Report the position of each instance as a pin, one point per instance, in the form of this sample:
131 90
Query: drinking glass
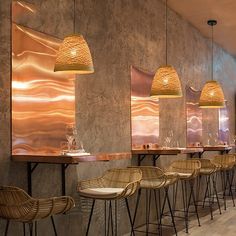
209 139
216 139
70 136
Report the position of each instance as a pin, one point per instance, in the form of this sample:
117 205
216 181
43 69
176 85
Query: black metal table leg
200 154
140 158
154 158
63 178
30 170
29 178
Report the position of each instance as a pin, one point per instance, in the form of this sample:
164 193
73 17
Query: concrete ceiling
197 12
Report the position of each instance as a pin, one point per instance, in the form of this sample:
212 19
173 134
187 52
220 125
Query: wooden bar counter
157 152
34 160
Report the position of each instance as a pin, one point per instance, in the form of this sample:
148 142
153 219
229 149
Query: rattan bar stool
153 180
187 171
115 184
225 166
16 205
208 171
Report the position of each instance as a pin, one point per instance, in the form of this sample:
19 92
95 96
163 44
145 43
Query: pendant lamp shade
212 95
74 56
166 83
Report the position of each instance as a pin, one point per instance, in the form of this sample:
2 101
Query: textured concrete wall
120 33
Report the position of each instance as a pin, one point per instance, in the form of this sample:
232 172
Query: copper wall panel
43 102
194 117
224 132
144 109
21 9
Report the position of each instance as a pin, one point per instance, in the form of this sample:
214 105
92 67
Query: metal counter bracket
32 166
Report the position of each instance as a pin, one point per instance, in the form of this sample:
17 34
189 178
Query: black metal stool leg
216 193
35 229
105 216
24 228
230 187
148 205
210 198
185 204
31 228
206 192
161 214
224 188
194 201
170 209
116 220
108 221
136 208
112 230
157 212
54 226
90 217
130 219
175 192
7 227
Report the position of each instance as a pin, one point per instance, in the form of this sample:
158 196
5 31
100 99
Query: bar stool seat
101 193
206 171
181 175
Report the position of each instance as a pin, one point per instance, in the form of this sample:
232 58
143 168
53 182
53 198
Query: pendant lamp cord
74 15
212 56
166 32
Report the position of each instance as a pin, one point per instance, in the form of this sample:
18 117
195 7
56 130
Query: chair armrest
130 189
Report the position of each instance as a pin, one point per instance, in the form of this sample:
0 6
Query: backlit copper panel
194 117
43 101
144 109
224 125
21 9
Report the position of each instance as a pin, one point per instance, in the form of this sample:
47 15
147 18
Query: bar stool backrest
225 161
12 196
186 166
119 178
153 175
13 202
206 164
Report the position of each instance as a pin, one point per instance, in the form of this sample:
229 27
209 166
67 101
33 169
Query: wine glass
82 146
167 141
209 139
171 136
69 136
216 139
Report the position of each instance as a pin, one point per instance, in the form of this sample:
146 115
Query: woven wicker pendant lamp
212 95
166 82
74 54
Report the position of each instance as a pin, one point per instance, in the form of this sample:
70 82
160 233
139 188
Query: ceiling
197 12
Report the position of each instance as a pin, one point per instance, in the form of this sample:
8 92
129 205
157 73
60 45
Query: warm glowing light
19 85
212 95
166 83
74 56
